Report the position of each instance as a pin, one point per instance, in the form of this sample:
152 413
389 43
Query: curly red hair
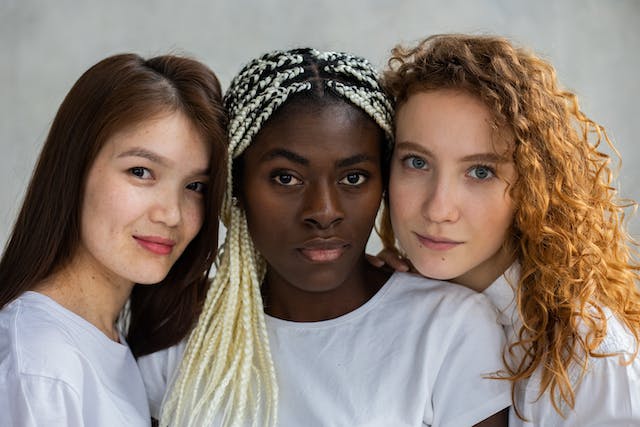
568 229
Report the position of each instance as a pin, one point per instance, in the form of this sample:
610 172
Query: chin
436 273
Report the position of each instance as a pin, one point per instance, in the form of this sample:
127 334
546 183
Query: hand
391 258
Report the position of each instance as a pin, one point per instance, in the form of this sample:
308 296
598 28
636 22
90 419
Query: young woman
295 314
497 183
126 193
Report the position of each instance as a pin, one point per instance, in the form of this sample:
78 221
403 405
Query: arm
462 394
37 401
501 419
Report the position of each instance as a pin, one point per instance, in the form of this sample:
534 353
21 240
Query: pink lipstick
155 244
437 243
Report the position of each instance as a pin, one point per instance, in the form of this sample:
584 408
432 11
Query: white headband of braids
227 373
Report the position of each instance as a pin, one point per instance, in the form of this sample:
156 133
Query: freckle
442 259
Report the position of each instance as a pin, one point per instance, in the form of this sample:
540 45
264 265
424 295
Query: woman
497 183
296 315
125 194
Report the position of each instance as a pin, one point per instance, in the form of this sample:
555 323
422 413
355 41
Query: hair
227 366
116 93
567 231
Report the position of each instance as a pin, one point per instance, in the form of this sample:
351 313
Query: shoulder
618 338
38 343
450 312
449 299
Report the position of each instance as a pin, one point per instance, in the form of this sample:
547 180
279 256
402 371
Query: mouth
156 244
437 243
321 250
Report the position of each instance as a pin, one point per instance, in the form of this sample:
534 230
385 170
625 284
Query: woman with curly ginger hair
498 183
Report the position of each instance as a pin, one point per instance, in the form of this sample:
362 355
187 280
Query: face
144 200
311 188
450 206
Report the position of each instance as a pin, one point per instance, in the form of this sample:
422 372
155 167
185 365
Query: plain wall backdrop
46 46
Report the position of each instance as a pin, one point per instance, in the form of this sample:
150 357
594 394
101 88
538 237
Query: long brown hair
568 230
118 92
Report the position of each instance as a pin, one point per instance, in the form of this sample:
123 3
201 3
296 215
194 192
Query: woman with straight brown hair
126 193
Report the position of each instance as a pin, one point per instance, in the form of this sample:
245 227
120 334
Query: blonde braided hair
227 368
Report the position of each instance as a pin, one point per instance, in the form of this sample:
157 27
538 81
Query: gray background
46 46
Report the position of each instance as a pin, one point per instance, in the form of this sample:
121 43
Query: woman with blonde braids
296 318
498 183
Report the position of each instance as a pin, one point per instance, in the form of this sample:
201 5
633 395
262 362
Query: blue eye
415 162
198 187
481 172
355 178
140 172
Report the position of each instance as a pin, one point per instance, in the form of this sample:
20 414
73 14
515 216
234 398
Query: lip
437 243
322 250
156 244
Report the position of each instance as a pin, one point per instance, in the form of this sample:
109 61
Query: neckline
37 297
347 317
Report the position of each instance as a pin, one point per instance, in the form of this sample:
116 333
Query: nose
166 209
440 205
322 207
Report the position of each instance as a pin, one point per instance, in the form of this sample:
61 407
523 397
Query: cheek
404 201
194 218
492 212
104 207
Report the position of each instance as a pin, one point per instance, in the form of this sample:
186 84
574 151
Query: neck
92 296
286 301
481 277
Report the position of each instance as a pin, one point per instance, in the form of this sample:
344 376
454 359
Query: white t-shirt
413 355
57 369
608 394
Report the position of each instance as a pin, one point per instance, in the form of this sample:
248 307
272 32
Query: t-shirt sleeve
158 370
608 395
32 401
462 395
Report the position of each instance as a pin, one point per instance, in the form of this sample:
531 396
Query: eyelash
135 169
407 162
362 178
202 187
277 178
490 169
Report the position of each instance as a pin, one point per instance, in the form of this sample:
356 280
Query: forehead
454 118
332 129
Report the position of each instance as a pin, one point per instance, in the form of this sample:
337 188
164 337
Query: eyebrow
156 158
354 160
479 157
289 155
296 158
144 153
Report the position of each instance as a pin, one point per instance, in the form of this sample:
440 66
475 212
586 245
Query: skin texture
143 204
311 188
450 206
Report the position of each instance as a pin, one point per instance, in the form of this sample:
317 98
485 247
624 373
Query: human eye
140 172
198 187
415 162
285 179
354 178
481 172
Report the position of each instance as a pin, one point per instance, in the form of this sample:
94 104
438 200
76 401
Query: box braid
227 371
